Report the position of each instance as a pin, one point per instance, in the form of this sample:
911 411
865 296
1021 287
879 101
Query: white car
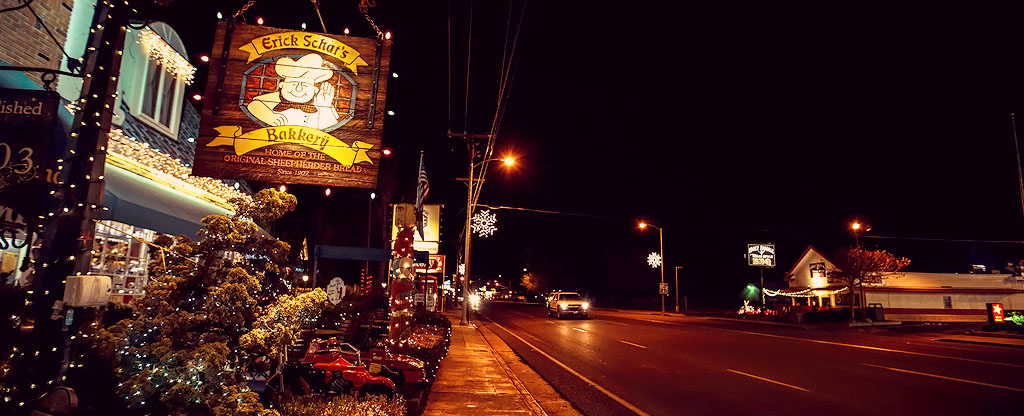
561 304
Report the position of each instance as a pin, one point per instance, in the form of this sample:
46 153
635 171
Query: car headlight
563 306
586 305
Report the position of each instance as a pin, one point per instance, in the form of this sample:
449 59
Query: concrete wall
930 306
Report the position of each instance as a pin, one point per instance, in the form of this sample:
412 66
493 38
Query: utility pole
469 236
761 269
471 144
1016 146
661 245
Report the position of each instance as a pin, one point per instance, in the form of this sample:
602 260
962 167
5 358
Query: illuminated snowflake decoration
484 223
654 259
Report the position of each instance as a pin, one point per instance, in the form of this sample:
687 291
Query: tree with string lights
212 306
856 266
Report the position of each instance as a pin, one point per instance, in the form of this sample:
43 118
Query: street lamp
369 219
677 291
856 227
470 204
661 251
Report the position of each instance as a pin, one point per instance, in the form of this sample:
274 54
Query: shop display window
118 253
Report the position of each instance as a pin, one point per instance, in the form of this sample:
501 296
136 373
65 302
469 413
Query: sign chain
244 8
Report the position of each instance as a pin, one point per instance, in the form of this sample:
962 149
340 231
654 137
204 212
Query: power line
951 240
545 211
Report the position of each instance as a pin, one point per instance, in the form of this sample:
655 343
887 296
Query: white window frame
140 96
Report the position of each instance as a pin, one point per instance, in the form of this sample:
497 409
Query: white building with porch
909 296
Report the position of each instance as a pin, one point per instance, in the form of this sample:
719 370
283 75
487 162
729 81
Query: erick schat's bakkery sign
295 107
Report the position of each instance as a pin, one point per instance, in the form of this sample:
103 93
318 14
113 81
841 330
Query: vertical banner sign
30 143
405 214
761 255
295 107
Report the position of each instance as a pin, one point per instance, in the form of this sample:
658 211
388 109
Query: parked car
399 368
561 304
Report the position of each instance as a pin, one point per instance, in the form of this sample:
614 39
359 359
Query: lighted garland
806 293
161 52
140 152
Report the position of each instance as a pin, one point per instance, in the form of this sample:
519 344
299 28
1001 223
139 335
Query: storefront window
120 254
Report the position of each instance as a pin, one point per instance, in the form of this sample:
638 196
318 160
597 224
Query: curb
879 323
979 342
760 322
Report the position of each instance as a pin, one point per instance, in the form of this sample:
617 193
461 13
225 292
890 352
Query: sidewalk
999 339
481 375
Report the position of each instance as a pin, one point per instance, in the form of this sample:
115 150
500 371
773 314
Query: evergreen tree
180 352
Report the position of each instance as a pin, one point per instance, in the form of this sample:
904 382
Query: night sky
726 125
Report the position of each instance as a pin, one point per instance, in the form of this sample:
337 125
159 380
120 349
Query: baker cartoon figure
303 99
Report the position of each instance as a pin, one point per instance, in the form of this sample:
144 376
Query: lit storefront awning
138 201
142 197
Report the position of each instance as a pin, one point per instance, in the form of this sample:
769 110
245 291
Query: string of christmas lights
135 151
159 51
806 293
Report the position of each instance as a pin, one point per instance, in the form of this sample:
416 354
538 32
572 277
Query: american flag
422 190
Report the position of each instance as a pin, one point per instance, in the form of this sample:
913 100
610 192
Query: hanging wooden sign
31 141
294 107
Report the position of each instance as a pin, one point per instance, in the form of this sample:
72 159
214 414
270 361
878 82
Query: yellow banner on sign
304 136
304 40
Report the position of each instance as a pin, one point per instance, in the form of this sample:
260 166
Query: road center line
581 330
767 379
867 347
843 344
944 377
613 396
616 323
630 343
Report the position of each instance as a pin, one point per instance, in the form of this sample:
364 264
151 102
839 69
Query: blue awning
351 253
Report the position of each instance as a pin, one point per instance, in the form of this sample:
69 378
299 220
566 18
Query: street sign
761 255
434 265
335 290
31 143
996 315
663 288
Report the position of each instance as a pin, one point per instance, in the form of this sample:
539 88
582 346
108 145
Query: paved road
621 363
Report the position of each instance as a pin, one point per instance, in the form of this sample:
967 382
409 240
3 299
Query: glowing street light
856 227
661 257
470 204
